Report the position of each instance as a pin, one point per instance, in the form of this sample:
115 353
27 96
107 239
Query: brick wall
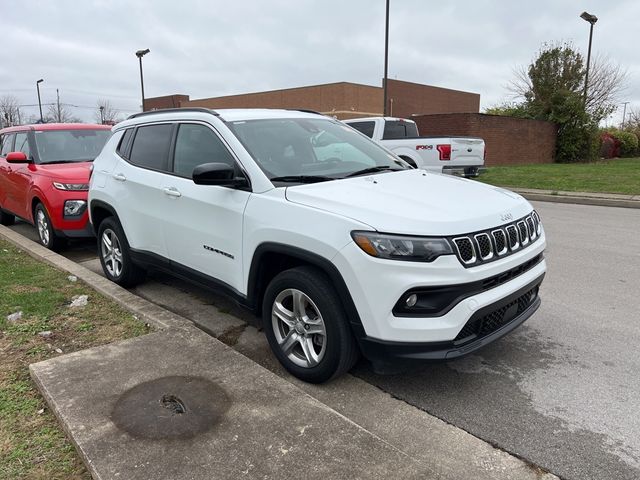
168 101
509 140
343 99
407 99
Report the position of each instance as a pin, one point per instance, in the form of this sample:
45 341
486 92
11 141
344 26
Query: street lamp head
40 81
589 18
142 53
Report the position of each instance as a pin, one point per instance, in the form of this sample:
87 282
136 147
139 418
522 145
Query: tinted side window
22 144
7 145
399 129
195 145
123 146
151 146
364 127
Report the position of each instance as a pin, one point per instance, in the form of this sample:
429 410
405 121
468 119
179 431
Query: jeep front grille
485 246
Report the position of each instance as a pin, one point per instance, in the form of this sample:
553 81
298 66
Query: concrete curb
580 198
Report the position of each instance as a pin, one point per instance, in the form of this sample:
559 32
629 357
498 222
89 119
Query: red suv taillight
445 151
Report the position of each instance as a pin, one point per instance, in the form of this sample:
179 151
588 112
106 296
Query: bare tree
59 113
607 83
106 112
9 110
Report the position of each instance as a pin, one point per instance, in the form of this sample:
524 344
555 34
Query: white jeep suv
338 244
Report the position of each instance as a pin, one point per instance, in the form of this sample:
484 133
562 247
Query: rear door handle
119 177
172 192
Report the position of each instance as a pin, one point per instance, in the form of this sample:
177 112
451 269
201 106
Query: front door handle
172 192
119 177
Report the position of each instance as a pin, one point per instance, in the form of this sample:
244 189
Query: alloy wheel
43 227
299 328
111 253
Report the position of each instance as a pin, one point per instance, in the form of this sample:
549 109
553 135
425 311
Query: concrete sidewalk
583 198
179 404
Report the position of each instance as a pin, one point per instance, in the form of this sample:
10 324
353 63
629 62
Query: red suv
44 177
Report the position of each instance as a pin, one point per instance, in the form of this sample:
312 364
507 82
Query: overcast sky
207 48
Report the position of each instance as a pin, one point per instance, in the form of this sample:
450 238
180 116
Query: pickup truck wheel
409 161
46 233
307 327
6 218
114 255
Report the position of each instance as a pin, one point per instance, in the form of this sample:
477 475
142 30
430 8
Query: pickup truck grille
482 247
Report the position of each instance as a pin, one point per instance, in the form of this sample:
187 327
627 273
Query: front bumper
485 326
376 285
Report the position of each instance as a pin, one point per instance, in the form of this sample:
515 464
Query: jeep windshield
309 150
70 146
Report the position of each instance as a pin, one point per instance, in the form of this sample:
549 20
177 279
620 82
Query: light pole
592 19
624 113
39 102
386 59
102 114
140 54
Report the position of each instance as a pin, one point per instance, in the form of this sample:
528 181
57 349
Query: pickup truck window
364 127
310 147
395 129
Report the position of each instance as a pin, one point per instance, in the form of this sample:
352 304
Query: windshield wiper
301 178
364 171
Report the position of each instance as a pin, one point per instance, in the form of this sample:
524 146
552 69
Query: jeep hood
414 202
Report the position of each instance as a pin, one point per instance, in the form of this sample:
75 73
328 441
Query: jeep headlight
400 247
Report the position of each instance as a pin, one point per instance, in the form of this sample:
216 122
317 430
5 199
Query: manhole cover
170 407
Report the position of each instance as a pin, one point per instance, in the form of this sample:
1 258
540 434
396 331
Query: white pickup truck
462 156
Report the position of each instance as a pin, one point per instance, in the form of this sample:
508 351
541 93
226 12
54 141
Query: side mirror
17 157
220 174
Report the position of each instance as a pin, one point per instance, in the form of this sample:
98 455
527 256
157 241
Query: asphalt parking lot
561 392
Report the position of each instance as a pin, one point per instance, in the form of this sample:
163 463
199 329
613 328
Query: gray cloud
210 48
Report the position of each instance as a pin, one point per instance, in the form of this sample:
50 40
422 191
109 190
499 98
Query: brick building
509 140
342 100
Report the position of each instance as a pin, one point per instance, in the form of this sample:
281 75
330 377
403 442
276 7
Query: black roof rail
169 110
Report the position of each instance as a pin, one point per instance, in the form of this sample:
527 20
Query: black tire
118 267
6 218
409 161
338 349
46 234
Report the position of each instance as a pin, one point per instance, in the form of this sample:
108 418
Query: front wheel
307 327
115 257
46 233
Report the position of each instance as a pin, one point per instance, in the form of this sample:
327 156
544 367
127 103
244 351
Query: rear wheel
115 256
46 233
307 327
